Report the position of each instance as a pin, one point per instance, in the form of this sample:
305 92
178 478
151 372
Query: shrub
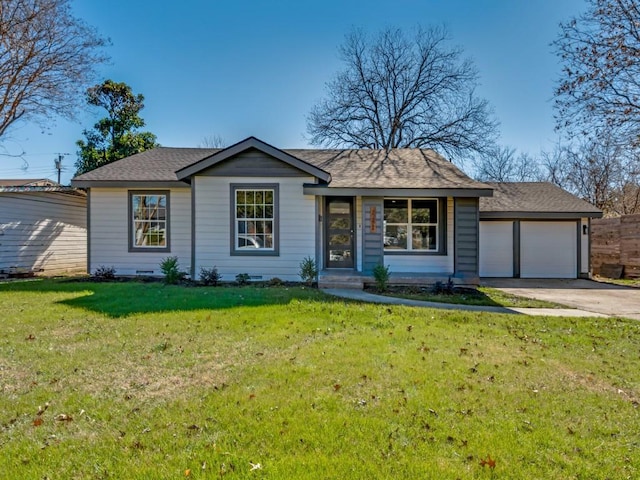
243 278
171 270
308 270
105 273
381 276
210 276
442 288
275 282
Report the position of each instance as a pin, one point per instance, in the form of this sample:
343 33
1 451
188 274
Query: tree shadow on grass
458 295
121 299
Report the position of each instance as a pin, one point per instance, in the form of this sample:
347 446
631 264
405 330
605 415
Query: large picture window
411 225
149 220
255 219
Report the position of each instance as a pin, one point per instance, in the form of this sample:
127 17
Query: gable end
252 163
249 144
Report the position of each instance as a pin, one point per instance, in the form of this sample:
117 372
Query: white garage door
496 249
548 250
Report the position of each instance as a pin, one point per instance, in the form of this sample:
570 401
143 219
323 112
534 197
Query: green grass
160 381
485 296
625 282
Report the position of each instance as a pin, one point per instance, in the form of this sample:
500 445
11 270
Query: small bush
442 288
275 282
242 279
105 273
171 270
308 270
381 275
210 276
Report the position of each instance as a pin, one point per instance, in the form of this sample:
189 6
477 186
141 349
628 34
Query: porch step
340 280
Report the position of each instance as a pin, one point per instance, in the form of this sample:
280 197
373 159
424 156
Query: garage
548 250
534 230
496 249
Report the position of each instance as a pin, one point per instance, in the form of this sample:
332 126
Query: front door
339 232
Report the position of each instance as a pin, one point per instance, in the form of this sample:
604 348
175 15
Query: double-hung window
411 225
149 220
255 219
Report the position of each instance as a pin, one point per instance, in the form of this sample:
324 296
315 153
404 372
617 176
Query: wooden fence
615 245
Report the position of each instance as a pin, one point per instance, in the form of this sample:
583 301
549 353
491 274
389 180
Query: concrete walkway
362 296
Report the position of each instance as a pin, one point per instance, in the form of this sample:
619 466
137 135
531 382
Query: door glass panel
340 207
345 240
339 223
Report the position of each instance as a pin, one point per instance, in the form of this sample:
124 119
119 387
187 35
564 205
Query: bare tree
604 173
213 141
47 60
398 92
600 84
503 165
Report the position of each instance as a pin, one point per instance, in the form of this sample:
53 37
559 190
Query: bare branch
398 92
47 58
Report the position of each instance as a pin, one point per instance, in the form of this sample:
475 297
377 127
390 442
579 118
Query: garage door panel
496 249
548 250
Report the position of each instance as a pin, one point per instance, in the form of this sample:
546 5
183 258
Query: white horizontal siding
43 231
585 233
427 263
109 232
213 228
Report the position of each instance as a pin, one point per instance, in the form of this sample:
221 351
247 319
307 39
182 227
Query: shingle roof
533 197
156 165
21 182
401 168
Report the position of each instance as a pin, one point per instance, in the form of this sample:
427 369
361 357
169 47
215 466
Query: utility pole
58 164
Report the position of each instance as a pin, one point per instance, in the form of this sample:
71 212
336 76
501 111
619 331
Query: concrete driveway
586 295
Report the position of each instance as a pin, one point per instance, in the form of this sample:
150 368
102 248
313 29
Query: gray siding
109 233
43 231
372 235
252 163
466 237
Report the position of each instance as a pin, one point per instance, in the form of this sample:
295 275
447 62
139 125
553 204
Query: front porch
352 279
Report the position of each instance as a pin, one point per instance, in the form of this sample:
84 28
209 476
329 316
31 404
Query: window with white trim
149 220
255 219
411 224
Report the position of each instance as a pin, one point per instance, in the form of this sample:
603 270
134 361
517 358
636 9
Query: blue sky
241 68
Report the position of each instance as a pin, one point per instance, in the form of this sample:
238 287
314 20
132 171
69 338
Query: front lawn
139 381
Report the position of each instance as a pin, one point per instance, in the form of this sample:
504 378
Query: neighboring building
253 208
43 228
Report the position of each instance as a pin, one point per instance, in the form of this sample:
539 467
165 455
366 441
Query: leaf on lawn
337 387
38 421
41 409
490 462
187 472
31 336
63 417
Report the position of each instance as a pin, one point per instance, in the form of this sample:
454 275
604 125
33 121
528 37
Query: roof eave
129 184
486 215
315 189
